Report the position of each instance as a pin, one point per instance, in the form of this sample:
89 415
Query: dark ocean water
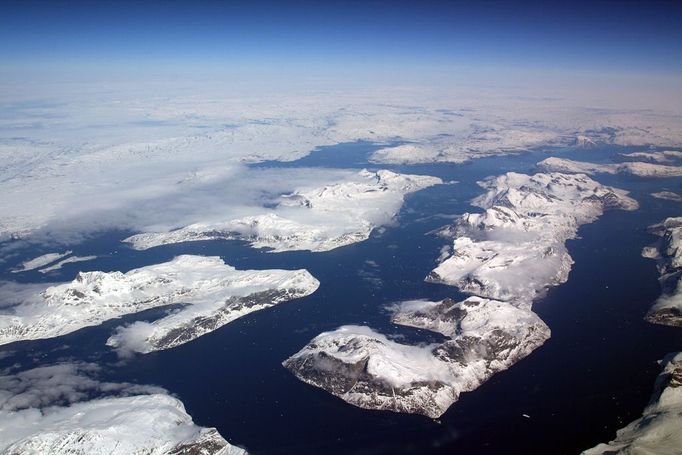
593 376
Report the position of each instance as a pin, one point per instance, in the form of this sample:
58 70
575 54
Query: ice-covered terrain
668 252
481 142
659 430
40 261
369 370
71 259
665 156
668 196
213 292
314 219
506 256
515 249
62 177
554 164
63 408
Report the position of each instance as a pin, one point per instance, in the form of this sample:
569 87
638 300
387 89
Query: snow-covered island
213 294
317 219
515 249
480 143
668 252
554 164
40 261
659 430
369 370
51 261
665 156
46 410
667 195
505 257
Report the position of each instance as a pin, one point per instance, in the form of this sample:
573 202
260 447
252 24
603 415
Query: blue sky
349 36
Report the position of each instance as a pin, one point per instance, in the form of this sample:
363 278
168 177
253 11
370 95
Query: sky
270 38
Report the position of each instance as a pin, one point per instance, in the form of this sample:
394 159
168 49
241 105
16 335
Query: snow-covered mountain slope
150 424
554 164
665 156
659 430
211 289
515 248
314 219
506 256
49 410
668 251
369 370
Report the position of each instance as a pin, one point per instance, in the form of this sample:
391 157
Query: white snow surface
515 249
314 219
203 283
668 252
668 196
506 256
659 430
369 370
665 156
69 260
554 164
48 410
40 261
93 160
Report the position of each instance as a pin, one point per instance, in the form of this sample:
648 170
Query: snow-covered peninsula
668 252
505 257
515 248
213 292
639 169
314 219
